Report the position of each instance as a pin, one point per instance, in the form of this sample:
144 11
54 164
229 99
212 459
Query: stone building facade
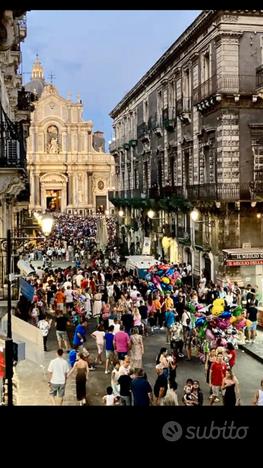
15 110
189 135
68 167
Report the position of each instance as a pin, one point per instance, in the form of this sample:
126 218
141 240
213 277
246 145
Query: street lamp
151 214
121 213
194 215
46 225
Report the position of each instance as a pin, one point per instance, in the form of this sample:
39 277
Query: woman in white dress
136 349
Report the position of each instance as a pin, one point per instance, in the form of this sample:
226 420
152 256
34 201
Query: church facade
68 168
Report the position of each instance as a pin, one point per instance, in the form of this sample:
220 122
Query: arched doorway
53 189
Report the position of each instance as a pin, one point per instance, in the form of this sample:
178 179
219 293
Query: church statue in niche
52 140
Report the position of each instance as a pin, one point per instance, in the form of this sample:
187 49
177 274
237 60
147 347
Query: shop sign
242 262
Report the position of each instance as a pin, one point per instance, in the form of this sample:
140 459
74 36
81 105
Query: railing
167 191
237 84
12 150
126 194
183 232
204 90
224 192
142 130
259 76
183 105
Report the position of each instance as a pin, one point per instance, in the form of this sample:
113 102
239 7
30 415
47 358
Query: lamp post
46 226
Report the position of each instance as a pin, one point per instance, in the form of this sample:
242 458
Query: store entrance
53 200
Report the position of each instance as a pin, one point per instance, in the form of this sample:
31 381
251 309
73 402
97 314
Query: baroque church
68 168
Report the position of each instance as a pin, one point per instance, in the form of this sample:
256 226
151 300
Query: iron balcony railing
226 84
224 192
259 77
12 150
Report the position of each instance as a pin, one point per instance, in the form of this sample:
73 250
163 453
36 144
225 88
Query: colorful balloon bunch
163 278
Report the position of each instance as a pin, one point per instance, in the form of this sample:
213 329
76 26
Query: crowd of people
96 288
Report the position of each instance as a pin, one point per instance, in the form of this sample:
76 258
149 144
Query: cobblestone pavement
33 386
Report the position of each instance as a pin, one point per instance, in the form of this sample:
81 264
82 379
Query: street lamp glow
107 212
46 224
121 213
258 215
151 214
194 215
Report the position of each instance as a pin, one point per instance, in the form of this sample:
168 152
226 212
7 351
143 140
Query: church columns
32 190
37 190
90 201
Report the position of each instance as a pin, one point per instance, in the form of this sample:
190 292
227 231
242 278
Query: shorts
216 390
253 326
70 304
62 335
60 306
109 354
100 348
121 355
57 390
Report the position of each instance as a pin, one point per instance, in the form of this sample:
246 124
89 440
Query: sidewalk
33 379
255 349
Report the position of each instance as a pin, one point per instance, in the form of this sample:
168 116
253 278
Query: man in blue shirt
141 389
169 322
80 333
109 337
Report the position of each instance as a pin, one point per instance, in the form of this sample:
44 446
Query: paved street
33 388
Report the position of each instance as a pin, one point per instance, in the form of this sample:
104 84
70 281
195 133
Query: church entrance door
53 200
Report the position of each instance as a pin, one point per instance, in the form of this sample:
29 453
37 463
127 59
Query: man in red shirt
217 373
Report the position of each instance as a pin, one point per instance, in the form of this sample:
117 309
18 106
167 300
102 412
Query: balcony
259 77
169 118
164 192
12 151
183 105
126 194
209 192
228 84
205 90
142 130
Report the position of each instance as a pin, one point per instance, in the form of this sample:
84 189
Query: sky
100 55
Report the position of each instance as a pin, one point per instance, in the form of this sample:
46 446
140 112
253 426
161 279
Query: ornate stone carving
230 18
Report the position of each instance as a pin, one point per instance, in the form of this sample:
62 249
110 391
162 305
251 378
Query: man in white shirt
58 370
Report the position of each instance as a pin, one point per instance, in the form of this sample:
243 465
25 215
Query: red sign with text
243 262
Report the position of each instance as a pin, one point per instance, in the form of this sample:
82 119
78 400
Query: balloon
165 280
248 323
178 282
200 321
233 319
223 342
225 314
218 306
238 311
209 334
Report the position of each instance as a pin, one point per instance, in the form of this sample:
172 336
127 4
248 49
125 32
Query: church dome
37 83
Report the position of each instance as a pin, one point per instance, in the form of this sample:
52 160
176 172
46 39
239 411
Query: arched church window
52 139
